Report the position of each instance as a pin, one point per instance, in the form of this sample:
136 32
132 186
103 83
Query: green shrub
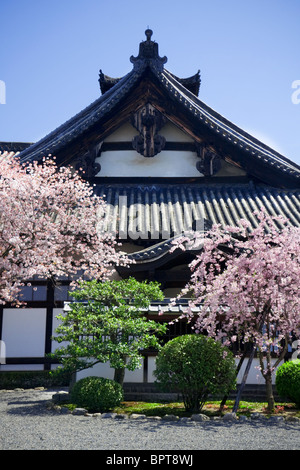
31 379
288 381
196 366
96 394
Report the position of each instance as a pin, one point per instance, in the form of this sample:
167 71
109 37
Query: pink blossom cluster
49 226
247 282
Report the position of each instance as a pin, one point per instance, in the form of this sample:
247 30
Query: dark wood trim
145 369
49 320
100 180
30 360
1 320
127 145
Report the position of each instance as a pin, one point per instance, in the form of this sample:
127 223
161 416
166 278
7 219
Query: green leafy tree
107 323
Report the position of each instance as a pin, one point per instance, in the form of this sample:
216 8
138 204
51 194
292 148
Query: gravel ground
27 424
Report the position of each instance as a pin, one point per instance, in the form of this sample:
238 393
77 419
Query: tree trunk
119 376
269 390
267 375
223 402
244 380
72 380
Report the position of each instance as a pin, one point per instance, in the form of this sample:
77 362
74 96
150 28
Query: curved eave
81 122
228 131
157 255
255 152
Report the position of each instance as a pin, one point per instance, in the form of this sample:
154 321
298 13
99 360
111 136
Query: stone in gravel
200 417
293 419
154 418
65 410
230 417
108 415
60 397
137 416
170 418
121 416
275 419
79 411
257 416
243 418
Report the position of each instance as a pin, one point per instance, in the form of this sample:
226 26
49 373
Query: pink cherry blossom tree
50 226
247 283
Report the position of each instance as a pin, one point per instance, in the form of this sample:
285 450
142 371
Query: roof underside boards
162 211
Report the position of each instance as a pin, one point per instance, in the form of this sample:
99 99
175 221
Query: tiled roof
11 149
161 211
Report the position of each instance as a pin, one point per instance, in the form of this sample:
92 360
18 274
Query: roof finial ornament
148 34
148 54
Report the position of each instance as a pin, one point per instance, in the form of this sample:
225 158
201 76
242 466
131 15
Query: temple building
166 163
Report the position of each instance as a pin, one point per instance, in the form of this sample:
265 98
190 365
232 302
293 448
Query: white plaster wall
104 370
173 134
55 324
129 163
254 377
126 132
23 332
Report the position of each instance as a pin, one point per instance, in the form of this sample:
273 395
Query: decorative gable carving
86 164
148 121
210 162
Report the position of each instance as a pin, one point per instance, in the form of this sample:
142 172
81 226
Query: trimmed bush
31 379
196 366
288 381
96 394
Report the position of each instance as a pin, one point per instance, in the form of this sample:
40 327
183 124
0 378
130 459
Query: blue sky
247 52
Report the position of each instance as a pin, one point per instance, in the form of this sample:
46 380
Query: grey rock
108 415
200 417
293 420
137 416
243 418
79 411
230 417
121 416
60 397
65 410
170 418
257 416
275 419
